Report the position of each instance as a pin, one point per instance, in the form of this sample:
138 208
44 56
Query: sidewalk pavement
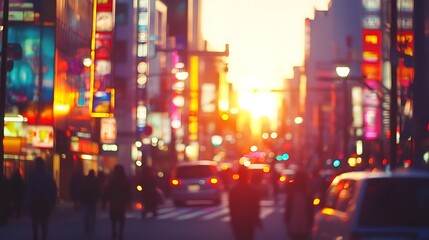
63 215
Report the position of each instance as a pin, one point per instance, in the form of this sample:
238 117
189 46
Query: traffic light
282 157
336 163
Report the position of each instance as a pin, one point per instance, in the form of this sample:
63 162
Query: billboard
30 84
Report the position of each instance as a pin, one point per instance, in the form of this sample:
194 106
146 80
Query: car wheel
178 203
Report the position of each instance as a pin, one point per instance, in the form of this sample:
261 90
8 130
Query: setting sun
259 104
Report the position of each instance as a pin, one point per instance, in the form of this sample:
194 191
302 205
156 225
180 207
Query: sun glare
259 104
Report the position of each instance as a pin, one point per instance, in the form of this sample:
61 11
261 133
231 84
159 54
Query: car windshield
199 171
396 202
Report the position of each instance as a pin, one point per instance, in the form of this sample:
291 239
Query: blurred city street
190 222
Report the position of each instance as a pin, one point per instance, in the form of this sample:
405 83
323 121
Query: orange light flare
138 205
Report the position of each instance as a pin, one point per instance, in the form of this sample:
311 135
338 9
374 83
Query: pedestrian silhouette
40 198
17 192
149 192
118 196
274 177
90 194
244 207
5 200
298 215
318 186
101 177
74 188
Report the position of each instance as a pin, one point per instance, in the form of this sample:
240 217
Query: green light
285 157
336 163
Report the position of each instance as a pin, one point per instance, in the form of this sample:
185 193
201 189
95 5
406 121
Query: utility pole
420 85
394 88
3 79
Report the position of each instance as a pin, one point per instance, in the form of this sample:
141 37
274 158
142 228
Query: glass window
396 202
199 171
339 195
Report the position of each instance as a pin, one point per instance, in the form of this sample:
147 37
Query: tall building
357 110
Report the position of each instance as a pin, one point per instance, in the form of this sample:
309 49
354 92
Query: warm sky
266 38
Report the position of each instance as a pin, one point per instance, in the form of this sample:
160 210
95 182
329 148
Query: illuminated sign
29 86
105 147
371 5
371 54
371 67
101 93
208 98
23 11
108 130
40 136
193 99
83 145
142 67
371 115
103 102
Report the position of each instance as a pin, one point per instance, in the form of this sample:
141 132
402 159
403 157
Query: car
196 182
375 205
286 177
260 177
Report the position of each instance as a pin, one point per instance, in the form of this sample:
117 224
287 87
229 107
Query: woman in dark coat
40 197
118 196
17 192
149 192
90 193
298 215
244 207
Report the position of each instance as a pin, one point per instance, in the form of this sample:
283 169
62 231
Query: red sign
104 5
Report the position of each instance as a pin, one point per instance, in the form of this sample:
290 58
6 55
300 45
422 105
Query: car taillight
235 176
316 201
213 180
175 182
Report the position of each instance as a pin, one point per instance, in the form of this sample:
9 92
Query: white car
375 205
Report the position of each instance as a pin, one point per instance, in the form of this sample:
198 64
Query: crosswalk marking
216 214
174 213
265 211
197 213
206 213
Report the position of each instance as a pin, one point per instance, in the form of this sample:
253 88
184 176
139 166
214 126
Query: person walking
5 200
298 214
90 194
17 184
244 207
149 192
118 196
74 188
40 198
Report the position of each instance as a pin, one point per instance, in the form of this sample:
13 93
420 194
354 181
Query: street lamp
343 73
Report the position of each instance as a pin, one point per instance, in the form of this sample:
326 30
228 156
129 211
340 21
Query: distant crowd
37 197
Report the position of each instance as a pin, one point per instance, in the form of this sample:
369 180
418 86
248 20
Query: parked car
195 181
375 205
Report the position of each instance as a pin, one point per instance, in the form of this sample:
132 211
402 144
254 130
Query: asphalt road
191 222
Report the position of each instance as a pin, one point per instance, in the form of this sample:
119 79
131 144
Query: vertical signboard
101 93
29 87
193 100
142 43
371 67
405 40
